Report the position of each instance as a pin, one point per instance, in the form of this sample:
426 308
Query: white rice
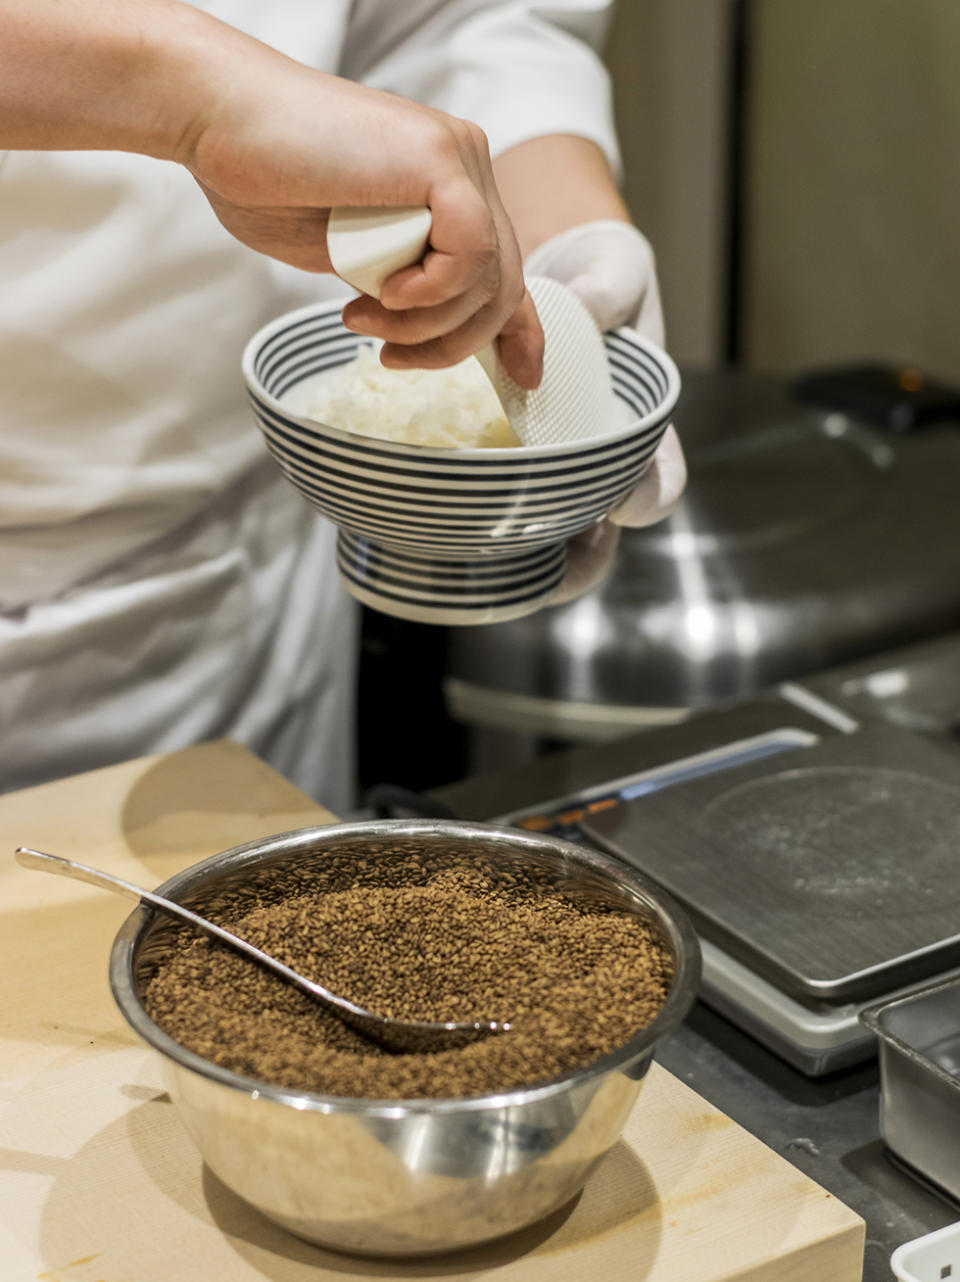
452 408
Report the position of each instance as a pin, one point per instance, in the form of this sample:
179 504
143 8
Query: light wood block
100 1183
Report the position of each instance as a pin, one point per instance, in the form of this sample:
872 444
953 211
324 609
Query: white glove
609 265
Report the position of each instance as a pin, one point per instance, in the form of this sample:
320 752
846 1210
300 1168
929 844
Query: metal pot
804 539
410 1176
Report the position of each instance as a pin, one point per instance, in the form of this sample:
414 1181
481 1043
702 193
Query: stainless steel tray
919 1040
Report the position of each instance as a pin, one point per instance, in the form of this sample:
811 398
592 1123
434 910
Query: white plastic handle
368 245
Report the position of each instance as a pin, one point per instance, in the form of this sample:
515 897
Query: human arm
583 234
274 145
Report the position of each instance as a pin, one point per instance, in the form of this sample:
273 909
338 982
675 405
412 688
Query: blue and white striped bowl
440 535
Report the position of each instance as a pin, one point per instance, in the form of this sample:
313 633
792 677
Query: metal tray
919 1039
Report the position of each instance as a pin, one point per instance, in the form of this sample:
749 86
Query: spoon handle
396 1035
39 859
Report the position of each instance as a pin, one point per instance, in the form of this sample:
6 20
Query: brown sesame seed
577 977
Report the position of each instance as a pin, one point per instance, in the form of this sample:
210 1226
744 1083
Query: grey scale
830 869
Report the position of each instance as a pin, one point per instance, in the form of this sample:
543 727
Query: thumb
659 490
589 558
609 301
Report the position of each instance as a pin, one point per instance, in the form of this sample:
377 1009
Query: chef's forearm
118 75
551 183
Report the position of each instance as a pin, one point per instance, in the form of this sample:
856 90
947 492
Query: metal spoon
403 1036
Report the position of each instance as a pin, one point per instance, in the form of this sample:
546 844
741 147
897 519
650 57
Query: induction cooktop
834 872
822 872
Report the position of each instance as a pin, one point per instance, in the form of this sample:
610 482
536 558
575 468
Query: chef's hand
610 266
281 143
274 145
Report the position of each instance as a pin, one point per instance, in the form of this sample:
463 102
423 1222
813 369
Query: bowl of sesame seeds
363 1150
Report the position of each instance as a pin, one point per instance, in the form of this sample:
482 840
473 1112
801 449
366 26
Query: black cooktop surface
832 870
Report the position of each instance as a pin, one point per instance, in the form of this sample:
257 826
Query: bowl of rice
443 515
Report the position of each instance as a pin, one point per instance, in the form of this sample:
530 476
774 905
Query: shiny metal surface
916 686
417 1176
404 1036
804 540
919 1038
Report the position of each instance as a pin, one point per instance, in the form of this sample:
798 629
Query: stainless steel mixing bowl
412 1176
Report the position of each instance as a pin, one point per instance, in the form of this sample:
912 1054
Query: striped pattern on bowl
449 536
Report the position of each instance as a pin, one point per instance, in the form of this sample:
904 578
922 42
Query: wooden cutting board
100 1183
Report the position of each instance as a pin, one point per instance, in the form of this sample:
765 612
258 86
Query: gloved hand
609 265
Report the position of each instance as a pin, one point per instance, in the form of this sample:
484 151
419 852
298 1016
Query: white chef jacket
160 582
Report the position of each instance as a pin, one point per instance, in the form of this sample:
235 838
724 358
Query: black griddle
832 871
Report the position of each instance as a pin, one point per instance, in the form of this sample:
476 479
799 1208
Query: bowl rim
671 917
646 422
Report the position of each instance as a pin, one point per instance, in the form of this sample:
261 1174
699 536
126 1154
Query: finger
524 343
660 489
417 325
649 320
464 252
520 345
436 353
440 278
606 299
589 560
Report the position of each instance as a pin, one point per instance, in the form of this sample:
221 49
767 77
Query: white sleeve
519 70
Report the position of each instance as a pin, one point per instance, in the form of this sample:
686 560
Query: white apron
160 583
